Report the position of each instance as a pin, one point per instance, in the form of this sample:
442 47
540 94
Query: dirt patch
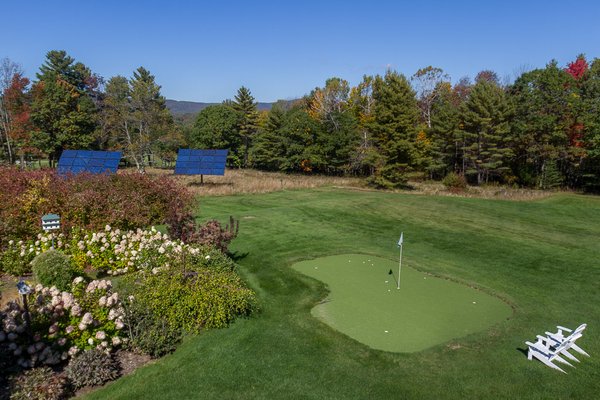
8 290
130 361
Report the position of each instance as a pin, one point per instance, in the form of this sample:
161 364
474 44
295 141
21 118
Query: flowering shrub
63 323
112 251
17 255
116 252
125 201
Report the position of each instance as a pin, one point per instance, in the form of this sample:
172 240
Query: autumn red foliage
577 68
124 201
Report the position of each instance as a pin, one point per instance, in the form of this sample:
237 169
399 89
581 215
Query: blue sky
204 51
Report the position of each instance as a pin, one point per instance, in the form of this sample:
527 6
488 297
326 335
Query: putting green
365 304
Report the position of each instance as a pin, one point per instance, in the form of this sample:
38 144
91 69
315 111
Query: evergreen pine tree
395 116
151 116
485 116
62 108
445 134
267 148
245 105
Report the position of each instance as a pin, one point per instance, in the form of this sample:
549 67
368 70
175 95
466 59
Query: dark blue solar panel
95 162
201 162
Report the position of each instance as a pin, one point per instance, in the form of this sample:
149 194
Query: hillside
191 107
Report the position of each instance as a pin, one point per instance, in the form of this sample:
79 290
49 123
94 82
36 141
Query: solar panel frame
201 162
92 161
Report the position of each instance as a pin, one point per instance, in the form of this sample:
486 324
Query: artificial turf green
366 304
541 256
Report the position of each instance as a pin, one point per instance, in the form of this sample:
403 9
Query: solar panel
96 162
201 162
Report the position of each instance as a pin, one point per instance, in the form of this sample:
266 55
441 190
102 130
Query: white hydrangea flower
87 318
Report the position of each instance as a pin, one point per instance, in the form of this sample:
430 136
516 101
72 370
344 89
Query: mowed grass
366 304
541 257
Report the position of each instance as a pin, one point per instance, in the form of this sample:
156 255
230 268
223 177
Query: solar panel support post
201 179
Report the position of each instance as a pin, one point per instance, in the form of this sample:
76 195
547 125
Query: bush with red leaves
125 201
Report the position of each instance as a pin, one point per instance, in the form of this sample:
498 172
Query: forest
542 130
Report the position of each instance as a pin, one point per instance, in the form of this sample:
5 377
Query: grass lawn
539 256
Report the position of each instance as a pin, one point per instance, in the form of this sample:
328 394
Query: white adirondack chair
559 338
543 352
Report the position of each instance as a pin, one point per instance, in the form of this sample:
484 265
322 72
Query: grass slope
540 256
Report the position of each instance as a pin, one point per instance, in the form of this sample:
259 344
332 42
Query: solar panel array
201 162
96 162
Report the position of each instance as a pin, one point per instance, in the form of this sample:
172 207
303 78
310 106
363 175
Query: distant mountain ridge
178 107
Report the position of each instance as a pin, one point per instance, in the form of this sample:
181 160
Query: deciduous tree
8 70
427 81
216 127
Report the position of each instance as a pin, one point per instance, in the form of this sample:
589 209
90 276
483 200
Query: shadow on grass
524 351
237 256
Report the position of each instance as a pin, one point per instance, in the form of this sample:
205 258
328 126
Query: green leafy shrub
193 300
455 182
150 333
53 268
39 384
92 368
184 298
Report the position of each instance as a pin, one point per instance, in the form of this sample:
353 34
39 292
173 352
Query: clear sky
206 50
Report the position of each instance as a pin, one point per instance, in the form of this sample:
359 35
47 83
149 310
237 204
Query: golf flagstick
400 262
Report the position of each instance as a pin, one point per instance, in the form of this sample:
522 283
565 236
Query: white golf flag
401 239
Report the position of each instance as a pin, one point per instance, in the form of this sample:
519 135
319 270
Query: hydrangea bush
17 255
63 323
112 251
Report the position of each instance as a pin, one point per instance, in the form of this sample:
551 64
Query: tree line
542 130
70 107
